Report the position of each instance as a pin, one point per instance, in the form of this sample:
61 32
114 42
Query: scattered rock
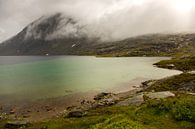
98 105
192 94
76 113
188 86
101 95
185 57
141 98
160 95
48 108
16 124
170 66
148 83
26 115
104 99
12 111
192 72
3 116
136 100
28 111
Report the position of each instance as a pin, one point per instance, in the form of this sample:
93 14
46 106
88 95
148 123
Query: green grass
171 113
179 64
180 82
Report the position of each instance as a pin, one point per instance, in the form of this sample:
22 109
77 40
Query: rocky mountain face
61 35
55 35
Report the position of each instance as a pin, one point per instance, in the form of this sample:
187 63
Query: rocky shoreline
91 101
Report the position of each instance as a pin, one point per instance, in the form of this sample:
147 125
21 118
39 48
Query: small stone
76 113
12 111
48 108
101 96
170 66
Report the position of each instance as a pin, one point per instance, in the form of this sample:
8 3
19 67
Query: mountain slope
61 35
56 34
150 45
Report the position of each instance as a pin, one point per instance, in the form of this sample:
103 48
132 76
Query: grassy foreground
171 113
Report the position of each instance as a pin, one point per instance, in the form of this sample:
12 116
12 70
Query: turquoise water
40 77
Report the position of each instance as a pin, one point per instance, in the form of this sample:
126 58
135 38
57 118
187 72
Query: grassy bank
186 64
171 113
182 82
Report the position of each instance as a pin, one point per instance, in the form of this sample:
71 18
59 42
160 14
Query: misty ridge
112 28
107 20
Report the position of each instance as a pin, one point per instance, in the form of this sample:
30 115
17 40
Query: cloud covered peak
55 26
108 19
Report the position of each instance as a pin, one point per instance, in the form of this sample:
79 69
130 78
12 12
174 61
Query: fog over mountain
107 19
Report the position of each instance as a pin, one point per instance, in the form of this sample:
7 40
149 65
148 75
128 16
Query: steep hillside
61 35
151 45
55 35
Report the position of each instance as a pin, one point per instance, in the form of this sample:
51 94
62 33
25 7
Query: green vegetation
149 45
171 113
182 82
118 122
187 64
180 107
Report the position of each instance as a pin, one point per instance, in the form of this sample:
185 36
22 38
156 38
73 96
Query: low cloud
109 19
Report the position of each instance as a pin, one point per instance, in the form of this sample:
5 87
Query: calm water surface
40 77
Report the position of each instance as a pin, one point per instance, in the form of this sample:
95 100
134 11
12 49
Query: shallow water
45 77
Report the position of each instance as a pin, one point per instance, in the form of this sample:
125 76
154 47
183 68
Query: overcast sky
114 19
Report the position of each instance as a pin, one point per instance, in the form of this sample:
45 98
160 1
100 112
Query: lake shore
141 99
41 109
